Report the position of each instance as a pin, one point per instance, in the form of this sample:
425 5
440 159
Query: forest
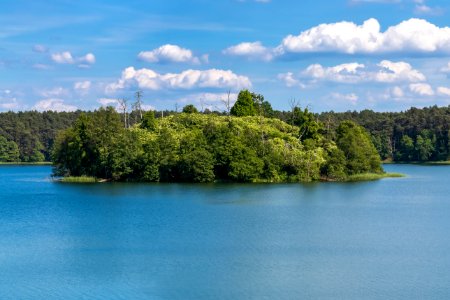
415 135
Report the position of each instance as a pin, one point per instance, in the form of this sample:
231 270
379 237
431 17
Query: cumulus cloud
82 87
443 91
170 54
55 92
67 58
109 102
397 92
252 50
410 36
290 80
422 89
53 104
351 98
384 72
63 58
189 79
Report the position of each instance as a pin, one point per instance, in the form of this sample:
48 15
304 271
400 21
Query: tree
244 105
9 151
148 120
425 144
190 109
305 120
360 153
407 148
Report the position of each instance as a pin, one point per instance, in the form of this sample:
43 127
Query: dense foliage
413 135
33 133
204 148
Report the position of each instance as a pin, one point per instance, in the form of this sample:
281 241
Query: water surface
386 239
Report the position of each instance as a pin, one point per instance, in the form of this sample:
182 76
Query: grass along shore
79 179
19 163
372 176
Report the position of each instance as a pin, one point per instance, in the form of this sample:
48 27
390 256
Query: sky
340 55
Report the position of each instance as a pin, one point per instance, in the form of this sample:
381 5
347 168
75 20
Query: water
376 240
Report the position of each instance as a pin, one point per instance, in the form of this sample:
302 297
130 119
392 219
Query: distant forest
415 135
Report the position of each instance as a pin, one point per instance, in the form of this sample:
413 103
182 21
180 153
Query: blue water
387 239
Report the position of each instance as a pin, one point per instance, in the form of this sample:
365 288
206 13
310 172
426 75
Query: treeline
413 135
194 147
29 136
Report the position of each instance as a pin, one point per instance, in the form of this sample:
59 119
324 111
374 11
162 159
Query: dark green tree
148 120
360 153
190 109
9 151
244 105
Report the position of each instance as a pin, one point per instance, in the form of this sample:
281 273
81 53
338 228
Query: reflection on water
380 240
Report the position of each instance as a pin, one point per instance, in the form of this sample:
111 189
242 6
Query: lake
386 239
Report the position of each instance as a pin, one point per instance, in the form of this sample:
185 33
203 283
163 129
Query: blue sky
329 55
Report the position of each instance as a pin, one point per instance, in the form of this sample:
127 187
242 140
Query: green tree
9 151
309 127
425 144
190 109
360 153
407 148
148 120
244 105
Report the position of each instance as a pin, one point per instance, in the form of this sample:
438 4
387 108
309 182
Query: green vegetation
416 135
78 179
373 176
193 147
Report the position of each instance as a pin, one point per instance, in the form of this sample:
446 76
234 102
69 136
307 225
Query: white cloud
82 87
63 58
87 59
347 73
384 72
422 89
397 92
169 53
53 104
289 80
412 36
443 91
55 92
67 58
351 98
397 71
254 50
108 102
189 79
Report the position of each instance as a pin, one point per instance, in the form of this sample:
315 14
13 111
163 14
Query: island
242 145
